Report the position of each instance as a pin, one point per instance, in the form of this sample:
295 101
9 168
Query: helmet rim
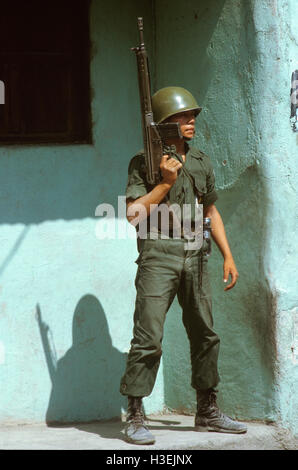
198 109
172 100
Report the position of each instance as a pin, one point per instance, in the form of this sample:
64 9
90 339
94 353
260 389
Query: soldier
166 268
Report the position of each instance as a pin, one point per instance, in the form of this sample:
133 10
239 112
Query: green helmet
172 100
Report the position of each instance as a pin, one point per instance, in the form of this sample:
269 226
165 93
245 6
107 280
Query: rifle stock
154 135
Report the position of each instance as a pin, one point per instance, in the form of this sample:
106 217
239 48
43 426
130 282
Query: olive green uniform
166 268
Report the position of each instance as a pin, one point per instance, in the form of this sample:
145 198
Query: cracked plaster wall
237 59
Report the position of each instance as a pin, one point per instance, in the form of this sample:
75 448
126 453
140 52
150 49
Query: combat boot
210 418
135 431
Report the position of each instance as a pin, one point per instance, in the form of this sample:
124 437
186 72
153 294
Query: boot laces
207 404
212 399
213 403
137 418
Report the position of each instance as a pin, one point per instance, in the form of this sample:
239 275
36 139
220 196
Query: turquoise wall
277 23
237 58
221 76
67 297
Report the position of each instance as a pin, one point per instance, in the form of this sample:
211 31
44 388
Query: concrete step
172 432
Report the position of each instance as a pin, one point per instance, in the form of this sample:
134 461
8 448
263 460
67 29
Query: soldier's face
187 123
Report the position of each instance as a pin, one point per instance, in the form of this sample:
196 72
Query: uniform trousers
166 268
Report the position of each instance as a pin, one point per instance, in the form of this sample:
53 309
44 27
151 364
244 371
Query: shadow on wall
193 23
244 317
248 346
85 381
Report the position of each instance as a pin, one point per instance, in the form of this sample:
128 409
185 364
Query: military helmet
172 100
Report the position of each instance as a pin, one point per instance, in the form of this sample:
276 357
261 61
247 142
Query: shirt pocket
200 186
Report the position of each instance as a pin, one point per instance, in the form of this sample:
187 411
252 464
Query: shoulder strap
191 179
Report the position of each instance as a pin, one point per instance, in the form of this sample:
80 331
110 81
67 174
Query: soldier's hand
169 169
229 268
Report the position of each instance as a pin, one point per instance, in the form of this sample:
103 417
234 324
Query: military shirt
197 164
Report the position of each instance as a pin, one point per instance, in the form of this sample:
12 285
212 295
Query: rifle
154 135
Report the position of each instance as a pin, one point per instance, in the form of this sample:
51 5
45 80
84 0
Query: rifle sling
191 179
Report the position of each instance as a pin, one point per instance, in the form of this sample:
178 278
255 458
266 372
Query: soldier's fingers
172 163
234 276
169 166
163 160
171 160
226 274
